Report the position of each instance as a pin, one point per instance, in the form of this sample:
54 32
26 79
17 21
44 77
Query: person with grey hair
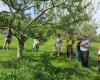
84 47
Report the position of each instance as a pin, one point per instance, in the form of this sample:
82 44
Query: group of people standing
83 46
82 53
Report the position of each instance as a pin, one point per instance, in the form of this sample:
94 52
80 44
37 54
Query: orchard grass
43 65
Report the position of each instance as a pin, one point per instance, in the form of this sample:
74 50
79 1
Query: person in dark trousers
70 43
8 37
84 47
78 53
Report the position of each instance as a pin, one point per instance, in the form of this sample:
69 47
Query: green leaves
64 18
5 20
76 13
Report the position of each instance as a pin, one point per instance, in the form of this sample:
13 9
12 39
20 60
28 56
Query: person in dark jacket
78 53
8 37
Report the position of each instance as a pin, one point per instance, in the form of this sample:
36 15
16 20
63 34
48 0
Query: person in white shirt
58 44
36 44
84 47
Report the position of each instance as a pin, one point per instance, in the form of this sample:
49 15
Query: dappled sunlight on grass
43 65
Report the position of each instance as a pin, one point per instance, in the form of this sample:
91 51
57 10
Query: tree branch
10 5
52 3
44 12
28 8
47 9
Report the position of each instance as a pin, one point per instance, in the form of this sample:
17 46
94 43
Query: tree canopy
49 16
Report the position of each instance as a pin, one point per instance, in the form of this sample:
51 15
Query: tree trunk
20 51
21 39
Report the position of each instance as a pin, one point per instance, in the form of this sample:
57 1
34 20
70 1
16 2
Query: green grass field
43 65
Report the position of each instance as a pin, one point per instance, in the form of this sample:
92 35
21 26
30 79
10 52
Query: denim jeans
78 55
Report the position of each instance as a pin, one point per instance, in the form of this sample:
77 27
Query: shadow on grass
11 48
45 70
32 58
92 62
1 47
10 64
